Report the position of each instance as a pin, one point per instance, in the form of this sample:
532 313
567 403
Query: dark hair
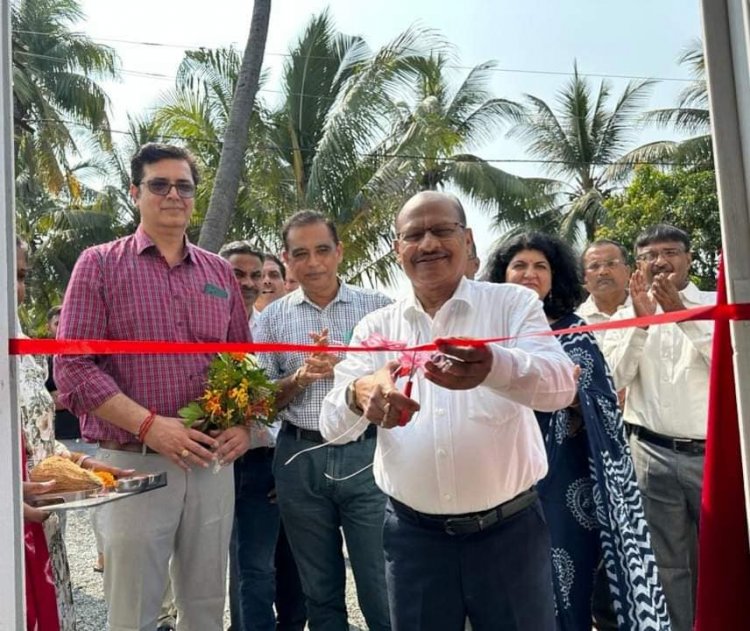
55 311
270 257
600 242
307 218
239 247
661 232
153 152
566 292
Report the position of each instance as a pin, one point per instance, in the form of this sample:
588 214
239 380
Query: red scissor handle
405 416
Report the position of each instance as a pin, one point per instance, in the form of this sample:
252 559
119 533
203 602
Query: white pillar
11 526
727 40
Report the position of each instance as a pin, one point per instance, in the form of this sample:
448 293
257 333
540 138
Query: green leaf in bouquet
191 413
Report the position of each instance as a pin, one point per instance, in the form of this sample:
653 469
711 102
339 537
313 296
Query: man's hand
233 443
317 365
666 294
169 437
380 399
464 369
643 303
30 489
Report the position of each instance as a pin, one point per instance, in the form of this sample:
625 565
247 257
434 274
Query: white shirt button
447 497
442 453
440 412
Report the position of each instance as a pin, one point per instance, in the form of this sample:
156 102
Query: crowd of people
550 481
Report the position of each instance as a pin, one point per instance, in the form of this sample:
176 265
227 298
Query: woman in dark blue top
590 496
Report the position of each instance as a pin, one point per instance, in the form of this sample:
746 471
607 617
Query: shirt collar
588 307
143 242
691 293
463 294
344 294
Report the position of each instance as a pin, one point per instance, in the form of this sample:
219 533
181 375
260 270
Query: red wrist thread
146 425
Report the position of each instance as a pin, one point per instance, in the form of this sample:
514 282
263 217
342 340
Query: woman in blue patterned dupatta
590 496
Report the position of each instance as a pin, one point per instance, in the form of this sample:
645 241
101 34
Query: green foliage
684 198
578 140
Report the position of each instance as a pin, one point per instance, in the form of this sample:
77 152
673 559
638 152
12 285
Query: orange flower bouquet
238 392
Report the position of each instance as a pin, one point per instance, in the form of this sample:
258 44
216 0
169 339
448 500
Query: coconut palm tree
232 159
338 111
437 126
55 88
312 150
578 143
691 116
196 112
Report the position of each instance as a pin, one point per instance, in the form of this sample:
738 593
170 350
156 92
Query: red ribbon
739 311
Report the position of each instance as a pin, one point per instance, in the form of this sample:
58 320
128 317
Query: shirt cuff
500 375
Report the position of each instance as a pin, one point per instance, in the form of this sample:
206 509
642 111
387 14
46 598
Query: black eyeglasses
162 186
441 231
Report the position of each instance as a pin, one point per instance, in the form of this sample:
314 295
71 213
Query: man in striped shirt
156 285
329 488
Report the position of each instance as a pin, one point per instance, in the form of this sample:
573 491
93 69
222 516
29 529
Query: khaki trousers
189 521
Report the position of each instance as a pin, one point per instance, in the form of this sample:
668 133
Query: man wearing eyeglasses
605 275
156 285
665 369
459 450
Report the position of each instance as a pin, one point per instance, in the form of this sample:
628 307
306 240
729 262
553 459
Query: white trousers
190 522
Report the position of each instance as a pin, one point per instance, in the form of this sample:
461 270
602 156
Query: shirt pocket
209 318
487 407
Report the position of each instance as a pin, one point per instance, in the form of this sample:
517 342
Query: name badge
213 290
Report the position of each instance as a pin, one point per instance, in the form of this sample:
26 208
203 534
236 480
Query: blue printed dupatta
591 488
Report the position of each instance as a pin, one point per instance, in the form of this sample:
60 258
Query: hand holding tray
125 487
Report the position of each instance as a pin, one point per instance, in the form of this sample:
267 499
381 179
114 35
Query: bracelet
82 459
146 425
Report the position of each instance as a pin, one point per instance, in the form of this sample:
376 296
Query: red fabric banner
724 554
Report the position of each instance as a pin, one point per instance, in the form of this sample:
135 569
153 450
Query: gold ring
386 410
184 453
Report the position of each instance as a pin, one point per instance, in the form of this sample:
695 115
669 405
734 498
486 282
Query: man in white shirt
605 277
464 535
665 370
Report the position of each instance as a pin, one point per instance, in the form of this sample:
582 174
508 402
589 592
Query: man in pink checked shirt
156 285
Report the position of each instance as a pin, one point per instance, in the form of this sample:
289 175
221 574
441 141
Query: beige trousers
189 521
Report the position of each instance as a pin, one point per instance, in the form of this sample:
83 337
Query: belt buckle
681 444
470 525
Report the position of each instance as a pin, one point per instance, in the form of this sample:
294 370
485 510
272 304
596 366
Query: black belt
315 436
469 523
682 445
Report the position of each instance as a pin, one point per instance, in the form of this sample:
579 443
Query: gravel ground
91 610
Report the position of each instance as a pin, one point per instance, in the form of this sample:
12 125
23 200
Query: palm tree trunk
227 182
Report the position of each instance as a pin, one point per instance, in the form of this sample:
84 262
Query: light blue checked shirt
291 319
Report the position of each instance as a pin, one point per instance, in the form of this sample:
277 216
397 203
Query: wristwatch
351 398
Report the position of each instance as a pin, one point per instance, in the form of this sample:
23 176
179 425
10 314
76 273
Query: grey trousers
670 483
189 521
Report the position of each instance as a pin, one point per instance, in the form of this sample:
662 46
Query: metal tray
126 487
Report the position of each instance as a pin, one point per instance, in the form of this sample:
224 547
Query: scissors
404 418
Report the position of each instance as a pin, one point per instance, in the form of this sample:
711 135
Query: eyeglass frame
456 225
649 256
176 185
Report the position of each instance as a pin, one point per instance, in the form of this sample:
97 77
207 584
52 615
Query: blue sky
641 38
